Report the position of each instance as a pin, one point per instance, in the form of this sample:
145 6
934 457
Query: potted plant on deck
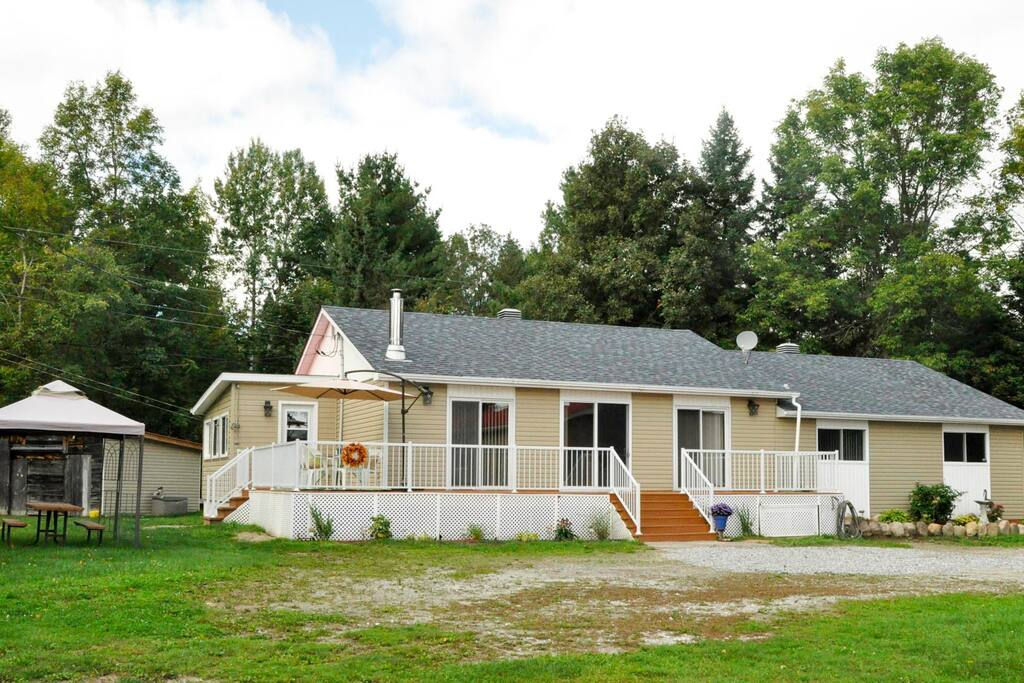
720 512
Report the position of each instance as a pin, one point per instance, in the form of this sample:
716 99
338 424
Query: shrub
380 528
932 503
964 520
322 527
746 524
563 530
894 515
601 525
995 512
527 537
475 533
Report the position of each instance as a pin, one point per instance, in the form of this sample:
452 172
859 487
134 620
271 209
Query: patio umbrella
344 389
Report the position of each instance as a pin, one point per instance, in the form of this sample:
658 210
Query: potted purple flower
720 512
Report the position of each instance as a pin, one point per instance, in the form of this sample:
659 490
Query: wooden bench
5 529
89 528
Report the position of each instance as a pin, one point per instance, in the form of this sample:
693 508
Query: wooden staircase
666 516
234 503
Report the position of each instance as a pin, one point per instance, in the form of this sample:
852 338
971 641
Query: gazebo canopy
60 407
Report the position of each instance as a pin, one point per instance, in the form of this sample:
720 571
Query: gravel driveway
981 563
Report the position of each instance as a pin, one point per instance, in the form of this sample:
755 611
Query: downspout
799 412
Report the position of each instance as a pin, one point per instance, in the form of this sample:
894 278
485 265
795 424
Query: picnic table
53 511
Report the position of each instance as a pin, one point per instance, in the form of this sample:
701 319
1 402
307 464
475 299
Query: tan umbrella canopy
344 389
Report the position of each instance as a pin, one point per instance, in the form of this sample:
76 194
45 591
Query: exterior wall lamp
268 408
752 407
428 396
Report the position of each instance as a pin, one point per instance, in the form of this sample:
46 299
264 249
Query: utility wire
95 381
89 385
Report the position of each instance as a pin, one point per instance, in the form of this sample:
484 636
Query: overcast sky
486 103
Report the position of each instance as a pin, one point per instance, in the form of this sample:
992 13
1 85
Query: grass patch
188 604
812 541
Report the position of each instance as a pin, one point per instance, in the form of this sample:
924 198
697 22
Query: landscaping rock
910 529
897 530
971 529
865 527
921 528
875 528
982 530
1014 529
1004 527
959 531
993 529
934 529
948 529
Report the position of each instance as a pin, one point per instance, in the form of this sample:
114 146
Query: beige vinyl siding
222 405
767 430
538 417
652 441
255 429
362 421
902 454
176 468
1006 456
423 423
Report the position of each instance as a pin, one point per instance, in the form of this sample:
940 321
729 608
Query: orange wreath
354 455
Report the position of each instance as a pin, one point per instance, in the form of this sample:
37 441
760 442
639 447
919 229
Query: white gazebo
60 409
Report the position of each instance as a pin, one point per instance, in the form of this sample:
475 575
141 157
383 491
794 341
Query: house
517 420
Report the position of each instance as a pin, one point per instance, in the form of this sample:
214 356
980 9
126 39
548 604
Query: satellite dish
746 340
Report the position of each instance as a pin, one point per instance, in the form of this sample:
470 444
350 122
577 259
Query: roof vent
788 347
514 313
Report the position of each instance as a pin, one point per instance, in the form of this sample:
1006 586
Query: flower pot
720 522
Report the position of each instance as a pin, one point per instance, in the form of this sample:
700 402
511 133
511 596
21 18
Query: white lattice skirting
240 515
797 514
445 516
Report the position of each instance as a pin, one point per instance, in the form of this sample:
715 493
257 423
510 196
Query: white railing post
384 470
561 468
594 481
762 470
512 463
448 466
298 464
408 466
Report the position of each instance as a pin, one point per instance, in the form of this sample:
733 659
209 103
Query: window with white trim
297 422
847 440
215 437
964 447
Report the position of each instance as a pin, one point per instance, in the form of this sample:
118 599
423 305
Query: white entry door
850 439
965 465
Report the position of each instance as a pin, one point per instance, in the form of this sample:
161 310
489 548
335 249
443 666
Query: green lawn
168 611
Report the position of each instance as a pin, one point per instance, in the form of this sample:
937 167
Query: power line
89 384
95 381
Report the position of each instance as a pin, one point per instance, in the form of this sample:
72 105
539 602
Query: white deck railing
694 483
766 471
319 465
228 481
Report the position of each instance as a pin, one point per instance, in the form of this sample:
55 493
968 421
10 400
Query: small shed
173 466
58 446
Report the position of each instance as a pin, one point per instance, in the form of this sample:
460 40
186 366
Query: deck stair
233 504
666 516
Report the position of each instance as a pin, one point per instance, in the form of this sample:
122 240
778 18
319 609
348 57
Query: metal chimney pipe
396 350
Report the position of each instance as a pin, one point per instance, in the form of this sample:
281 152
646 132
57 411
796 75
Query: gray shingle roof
880 386
535 350
465 346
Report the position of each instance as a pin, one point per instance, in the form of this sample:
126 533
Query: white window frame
595 397
313 419
480 399
845 424
704 404
215 448
956 428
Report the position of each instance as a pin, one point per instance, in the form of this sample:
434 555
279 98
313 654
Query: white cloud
465 77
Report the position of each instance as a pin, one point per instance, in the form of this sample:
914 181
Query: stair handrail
695 484
238 467
625 488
